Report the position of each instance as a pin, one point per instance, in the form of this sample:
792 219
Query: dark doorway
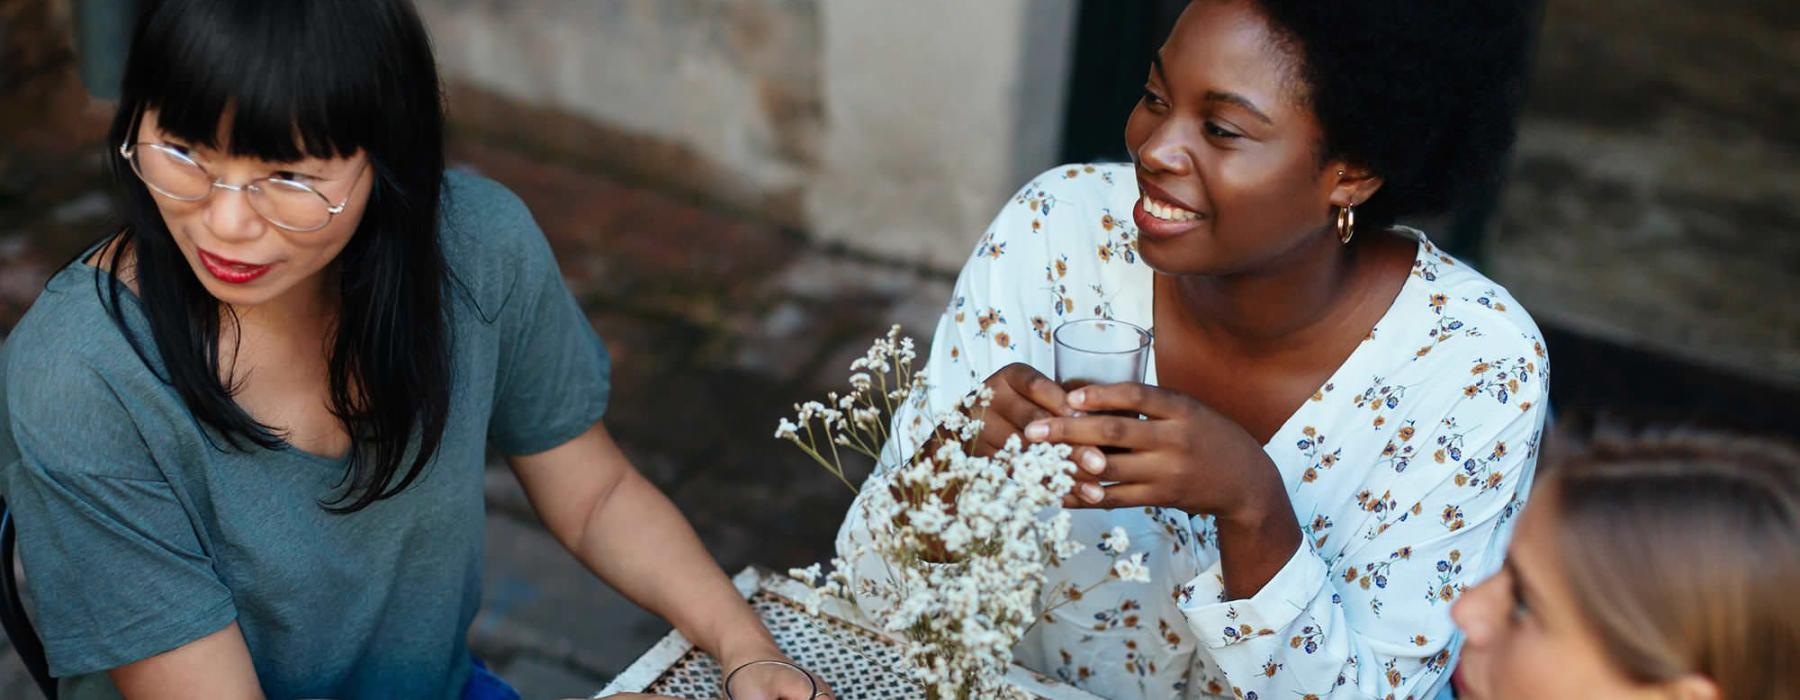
1114 40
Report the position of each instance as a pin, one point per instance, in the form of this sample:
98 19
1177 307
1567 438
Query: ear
1692 686
1351 184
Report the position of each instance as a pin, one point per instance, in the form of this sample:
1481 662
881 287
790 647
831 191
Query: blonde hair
1683 552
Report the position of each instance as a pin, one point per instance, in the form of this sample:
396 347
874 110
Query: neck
1276 306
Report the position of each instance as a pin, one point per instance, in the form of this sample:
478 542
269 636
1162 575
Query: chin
1183 256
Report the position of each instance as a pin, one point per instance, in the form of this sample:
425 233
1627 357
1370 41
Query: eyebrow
1231 98
1239 100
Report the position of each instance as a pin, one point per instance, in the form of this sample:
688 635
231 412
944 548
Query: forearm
1257 538
636 540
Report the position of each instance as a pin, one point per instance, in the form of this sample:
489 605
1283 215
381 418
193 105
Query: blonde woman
1663 567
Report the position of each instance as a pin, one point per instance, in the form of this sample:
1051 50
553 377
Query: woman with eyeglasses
1657 566
245 434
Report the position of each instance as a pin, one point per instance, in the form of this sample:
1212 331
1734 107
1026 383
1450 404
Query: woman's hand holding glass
1181 454
1023 395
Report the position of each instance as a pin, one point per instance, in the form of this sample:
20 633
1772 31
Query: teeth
1167 212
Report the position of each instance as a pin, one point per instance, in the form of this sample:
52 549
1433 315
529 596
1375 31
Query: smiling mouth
1167 211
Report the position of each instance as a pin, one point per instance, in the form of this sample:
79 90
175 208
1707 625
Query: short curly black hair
1424 93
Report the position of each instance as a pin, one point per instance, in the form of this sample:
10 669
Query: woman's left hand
1182 455
755 681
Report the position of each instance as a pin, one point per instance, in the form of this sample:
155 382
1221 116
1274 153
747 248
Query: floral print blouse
1405 469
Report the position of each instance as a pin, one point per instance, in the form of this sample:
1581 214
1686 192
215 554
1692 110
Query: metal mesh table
860 662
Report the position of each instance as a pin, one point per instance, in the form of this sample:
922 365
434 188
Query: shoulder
1069 213
477 204
1082 184
1063 246
491 243
1465 337
1074 201
71 386
69 331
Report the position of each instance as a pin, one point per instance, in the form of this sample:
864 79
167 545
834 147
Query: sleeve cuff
75 656
550 437
1222 623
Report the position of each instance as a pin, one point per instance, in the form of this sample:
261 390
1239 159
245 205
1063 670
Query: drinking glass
1100 351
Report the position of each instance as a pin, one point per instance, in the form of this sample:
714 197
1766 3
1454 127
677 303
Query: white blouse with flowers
1404 470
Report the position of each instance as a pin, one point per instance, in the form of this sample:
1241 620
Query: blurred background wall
743 192
891 127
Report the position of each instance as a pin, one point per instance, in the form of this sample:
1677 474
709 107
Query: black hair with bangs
311 78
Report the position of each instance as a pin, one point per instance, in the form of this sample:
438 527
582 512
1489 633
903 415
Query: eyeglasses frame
128 151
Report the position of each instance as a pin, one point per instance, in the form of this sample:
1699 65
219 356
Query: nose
1476 610
230 218
1168 149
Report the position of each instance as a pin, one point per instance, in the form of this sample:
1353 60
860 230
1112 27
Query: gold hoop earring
1346 224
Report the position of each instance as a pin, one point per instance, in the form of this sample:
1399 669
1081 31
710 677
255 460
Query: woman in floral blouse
1340 420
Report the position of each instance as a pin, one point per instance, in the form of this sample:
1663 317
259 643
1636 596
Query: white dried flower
809 575
1132 568
999 518
1115 541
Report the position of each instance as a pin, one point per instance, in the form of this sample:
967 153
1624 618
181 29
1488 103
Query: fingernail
1078 396
1092 493
1037 431
1093 462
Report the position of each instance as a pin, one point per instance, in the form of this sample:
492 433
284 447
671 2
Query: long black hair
320 78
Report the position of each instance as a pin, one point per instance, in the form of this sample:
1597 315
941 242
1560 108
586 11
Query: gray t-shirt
138 535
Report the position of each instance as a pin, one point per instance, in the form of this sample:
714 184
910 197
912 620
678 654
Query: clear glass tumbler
1100 351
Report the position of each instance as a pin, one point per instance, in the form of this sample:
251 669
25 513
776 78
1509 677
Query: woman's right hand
1022 394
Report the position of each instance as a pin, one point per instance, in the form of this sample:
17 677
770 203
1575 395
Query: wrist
1251 518
745 648
1263 506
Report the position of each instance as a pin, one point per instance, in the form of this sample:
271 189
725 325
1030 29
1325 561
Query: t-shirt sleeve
555 375
111 553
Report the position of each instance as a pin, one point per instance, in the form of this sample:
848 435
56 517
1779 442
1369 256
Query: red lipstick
231 271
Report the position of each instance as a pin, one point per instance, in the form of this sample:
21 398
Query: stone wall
895 128
1652 201
720 98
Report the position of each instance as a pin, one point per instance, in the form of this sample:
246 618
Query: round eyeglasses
288 204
